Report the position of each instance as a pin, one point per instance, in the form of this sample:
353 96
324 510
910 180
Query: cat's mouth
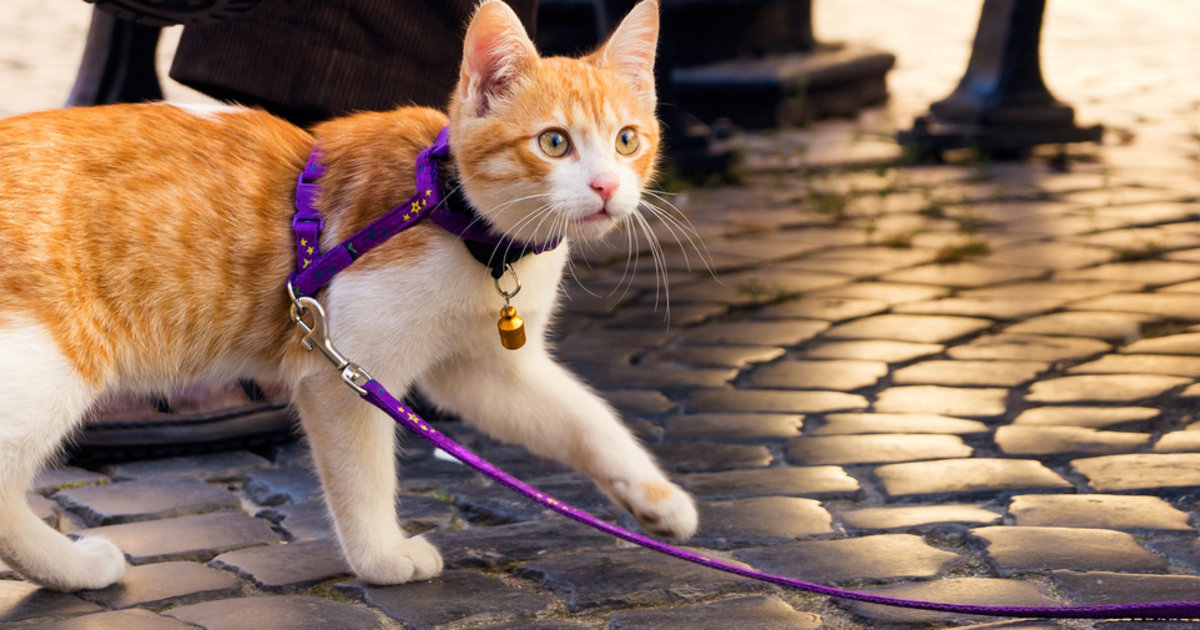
602 215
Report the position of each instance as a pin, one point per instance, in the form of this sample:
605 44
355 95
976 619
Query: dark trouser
309 60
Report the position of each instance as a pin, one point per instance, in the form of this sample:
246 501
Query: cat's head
549 146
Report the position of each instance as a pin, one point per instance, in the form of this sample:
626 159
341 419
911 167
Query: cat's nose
605 184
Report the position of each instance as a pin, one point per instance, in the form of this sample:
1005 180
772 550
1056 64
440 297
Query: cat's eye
554 143
627 141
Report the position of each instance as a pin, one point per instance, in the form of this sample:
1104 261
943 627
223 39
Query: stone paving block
904 517
21 600
964 275
974 402
843 374
657 376
129 501
455 597
1053 254
1140 471
1098 588
740 357
857 423
1183 287
1038 440
1185 550
890 292
1153 272
970 373
874 448
786 480
878 557
278 612
1094 417
734 426
638 402
873 350
286 484
971 590
1178 442
1084 388
1164 238
45 509
1141 364
227 466
495 505
705 456
630 577
501 545
1016 625
760 520
1182 306
287 567
856 267
967 476
757 612
1015 549
773 333
309 520
989 307
772 401
1108 326
1013 347
1101 511
1183 344
116 620
158 585
833 309
656 316
1056 289
51 480
914 328
905 257
758 249
196 538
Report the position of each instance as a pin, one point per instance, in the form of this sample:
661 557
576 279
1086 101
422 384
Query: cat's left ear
496 51
631 48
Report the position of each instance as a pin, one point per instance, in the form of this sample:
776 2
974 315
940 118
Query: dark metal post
1001 106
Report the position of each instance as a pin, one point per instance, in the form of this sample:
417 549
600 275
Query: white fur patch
208 111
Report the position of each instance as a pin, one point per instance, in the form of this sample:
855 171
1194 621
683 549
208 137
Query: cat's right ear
496 51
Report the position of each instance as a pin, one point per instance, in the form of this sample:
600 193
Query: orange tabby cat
147 245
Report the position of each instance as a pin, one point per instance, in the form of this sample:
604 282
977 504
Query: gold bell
512 328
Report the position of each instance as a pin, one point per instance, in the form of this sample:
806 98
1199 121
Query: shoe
199 419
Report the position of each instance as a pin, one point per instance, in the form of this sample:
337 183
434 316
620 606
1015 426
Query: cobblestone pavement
970 382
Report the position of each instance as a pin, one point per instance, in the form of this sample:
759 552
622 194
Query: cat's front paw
407 560
659 507
97 564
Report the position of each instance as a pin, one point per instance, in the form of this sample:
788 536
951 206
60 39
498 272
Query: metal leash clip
316 337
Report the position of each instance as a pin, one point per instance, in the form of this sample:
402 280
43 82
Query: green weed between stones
1146 250
958 252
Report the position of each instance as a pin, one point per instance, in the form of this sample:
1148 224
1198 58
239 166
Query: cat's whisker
660 266
680 220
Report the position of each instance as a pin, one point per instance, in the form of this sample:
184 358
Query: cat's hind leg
42 398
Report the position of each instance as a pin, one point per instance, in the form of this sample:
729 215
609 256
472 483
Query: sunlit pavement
969 382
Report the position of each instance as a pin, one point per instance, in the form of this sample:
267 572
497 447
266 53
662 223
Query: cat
147 245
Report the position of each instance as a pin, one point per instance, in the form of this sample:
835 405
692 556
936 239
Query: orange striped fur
145 246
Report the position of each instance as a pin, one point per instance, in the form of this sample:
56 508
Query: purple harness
314 271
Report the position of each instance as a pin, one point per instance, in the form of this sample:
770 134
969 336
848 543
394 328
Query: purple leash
306 281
